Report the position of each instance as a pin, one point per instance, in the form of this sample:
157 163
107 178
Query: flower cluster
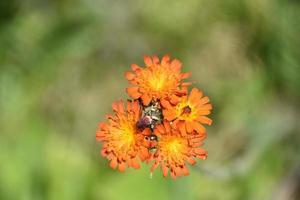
163 124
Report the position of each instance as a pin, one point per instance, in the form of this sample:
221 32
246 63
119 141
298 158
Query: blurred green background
62 64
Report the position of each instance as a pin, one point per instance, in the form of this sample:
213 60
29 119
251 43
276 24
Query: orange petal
113 163
185 75
146 131
145 143
135 106
189 126
155 59
173 175
176 64
100 135
104 152
134 82
120 105
186 84
129 76
146 99
181 126
154 166
204 107
142 90
148 61
159 129
200 151
170 115
115 106
178 171
144 153
174 99
136 109
103 126
182 92
134 164
135 68
164 169
122 167
110 156
202 136
198 127
167 126
195 96
133 92
204 100
185 171
190 160
165 103
129 105
204 120
165 59
202 157
203 112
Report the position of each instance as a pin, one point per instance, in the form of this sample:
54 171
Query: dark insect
152 142
144 122
151 138
151 116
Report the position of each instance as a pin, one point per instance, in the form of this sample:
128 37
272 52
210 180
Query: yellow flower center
173 148
127 134
124 136
159 80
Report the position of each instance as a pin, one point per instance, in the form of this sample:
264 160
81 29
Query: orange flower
157 80
190 113
163 124
122 141
174 151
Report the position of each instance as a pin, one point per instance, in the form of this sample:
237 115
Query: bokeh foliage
62 64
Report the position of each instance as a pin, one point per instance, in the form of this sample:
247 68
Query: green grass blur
62 64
